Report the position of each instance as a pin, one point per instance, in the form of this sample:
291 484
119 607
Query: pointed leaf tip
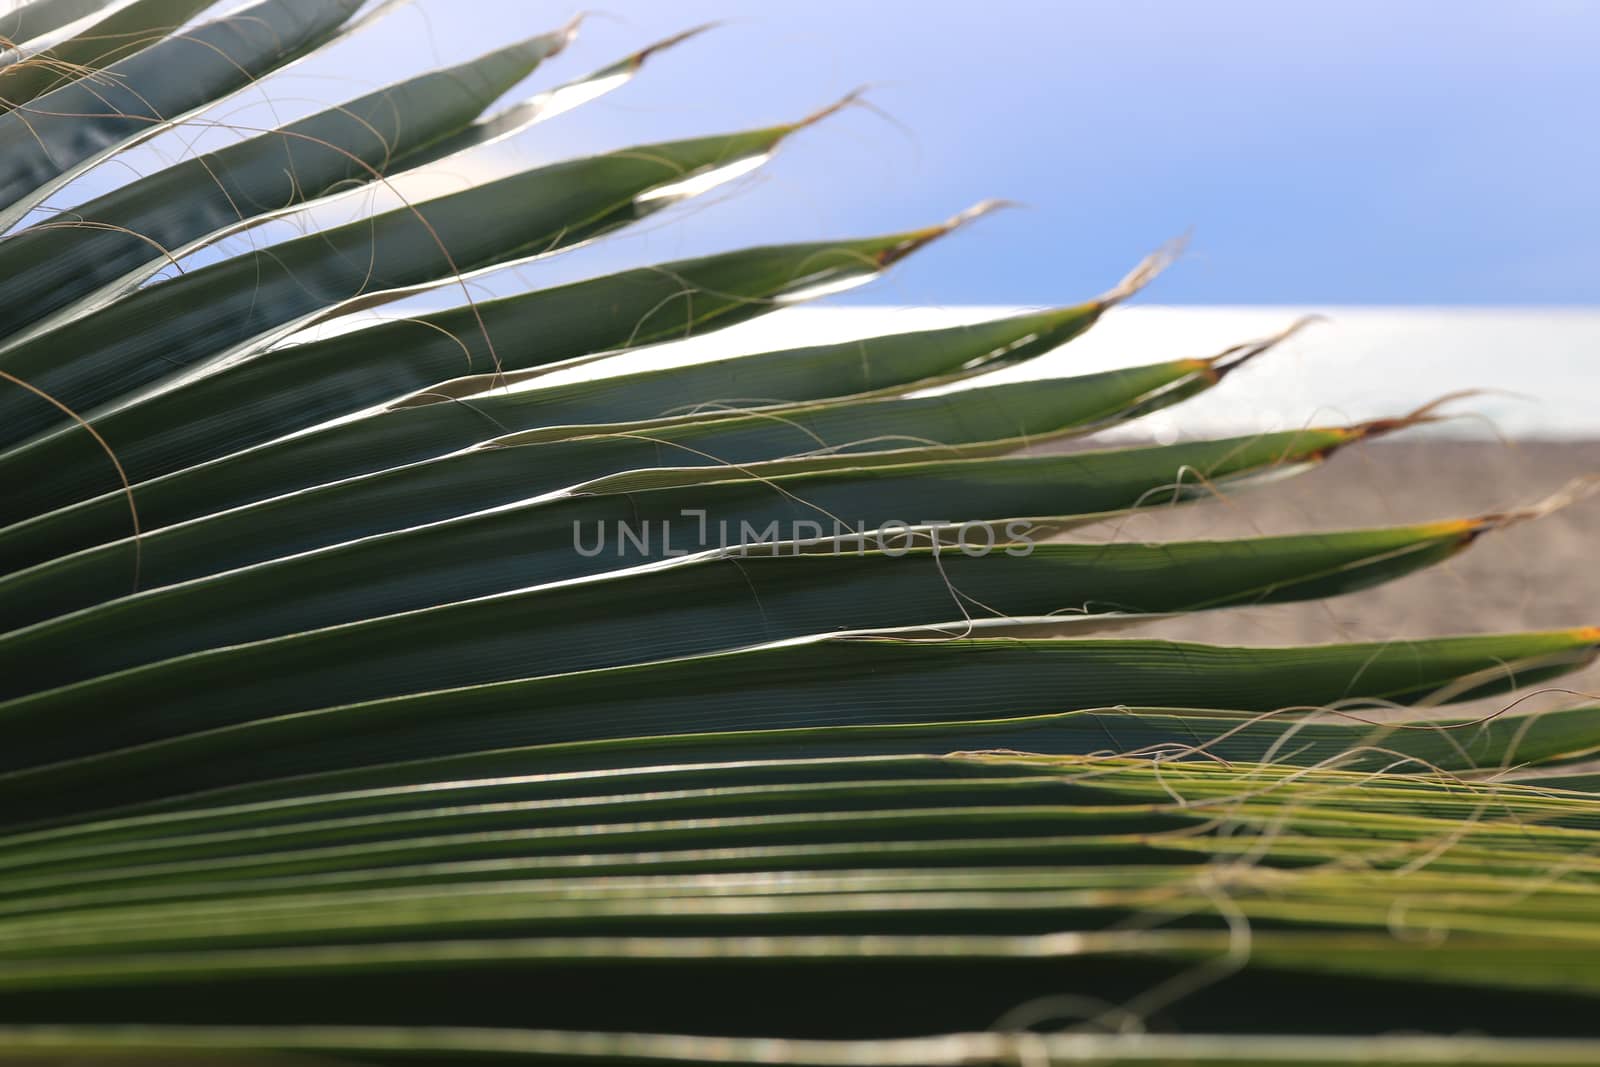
978 211
569 33
850 99
917 239
639 58
1578 489
1145 272
1422 416
1226 362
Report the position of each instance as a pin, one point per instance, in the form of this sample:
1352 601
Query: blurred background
1431 152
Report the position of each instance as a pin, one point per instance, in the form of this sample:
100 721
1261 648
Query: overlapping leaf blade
127 29
554 538
725 600
433 424
206 744
60 134
211 312
298 387
31 20
103 247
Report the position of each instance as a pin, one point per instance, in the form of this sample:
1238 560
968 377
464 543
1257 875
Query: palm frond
379 695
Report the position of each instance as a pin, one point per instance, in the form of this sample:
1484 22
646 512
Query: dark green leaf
555 539
209 313
821 683
709 604
102 247
290 389
126 30
62 133
428 426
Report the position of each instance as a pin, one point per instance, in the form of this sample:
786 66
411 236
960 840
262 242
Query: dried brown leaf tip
1146 271
1422 416
918 239
1226 362
1375 428
848 100
1575 491
639 58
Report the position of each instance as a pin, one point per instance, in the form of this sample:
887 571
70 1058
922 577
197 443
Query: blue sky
1351 152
